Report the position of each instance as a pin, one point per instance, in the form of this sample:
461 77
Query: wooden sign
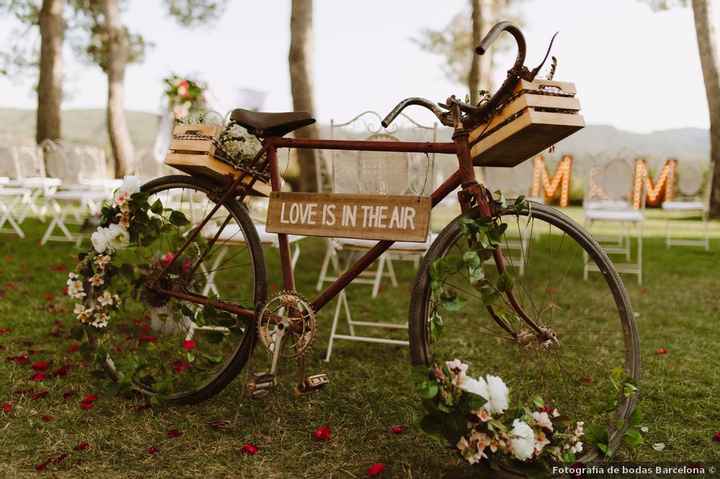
380 217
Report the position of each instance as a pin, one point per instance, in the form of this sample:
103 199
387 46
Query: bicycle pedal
312 383
261 384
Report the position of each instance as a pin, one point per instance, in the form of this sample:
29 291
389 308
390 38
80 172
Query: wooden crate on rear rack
192 151
540 114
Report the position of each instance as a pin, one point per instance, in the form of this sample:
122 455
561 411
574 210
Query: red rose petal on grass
40 394
661 351
81 446
189 345
42 466
73 348
20 359
142 407
86 405
7 408
173 433
219 424
147 339
47 418
40 365
4 331
48 296
11 286
58 268
397 429
68 394
62 371
249 449
586 380
90 398
322 433
59 459
2 348
38 377
376 469
152 450
716 437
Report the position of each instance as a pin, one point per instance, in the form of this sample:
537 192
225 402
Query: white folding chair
692 198
372 173
10 200
608 202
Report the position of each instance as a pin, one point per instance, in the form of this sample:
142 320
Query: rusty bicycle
501 285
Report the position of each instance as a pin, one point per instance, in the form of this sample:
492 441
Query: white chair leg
324 267
378 276
8 218
640 251
295 256
391 272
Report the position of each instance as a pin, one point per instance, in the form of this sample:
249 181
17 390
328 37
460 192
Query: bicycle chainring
290 311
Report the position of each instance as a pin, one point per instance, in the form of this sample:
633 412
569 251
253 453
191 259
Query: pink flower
376 469
322 433
249 449
189 345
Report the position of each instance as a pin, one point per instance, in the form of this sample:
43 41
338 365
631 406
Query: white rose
522 440
475 386
543 420
498 395
112 237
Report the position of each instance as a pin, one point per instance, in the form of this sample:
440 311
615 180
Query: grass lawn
678 311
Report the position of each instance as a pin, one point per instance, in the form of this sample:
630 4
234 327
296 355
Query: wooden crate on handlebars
539 114
193 151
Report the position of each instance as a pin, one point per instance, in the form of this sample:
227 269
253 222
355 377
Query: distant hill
594 141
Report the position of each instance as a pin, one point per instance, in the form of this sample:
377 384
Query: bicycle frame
464 176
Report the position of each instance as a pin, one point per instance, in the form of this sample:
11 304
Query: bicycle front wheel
175 349
594 352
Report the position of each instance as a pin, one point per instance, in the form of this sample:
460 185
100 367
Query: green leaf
157 207
178 218
428 389
538 402
451 301
633 437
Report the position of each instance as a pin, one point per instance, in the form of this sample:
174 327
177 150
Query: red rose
7 408
322 433
249 449
716 437
180 366
38 377
397 429
376 469
189 345
167 258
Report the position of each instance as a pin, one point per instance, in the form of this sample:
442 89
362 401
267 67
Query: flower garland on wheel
115 268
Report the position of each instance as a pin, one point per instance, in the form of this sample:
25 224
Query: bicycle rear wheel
545 251
177 350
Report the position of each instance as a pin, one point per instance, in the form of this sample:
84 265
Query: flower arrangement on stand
185 96
475 416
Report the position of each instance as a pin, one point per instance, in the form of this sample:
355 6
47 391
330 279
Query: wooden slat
205 165
529 134
566 88
378 217
520 103
201 146
198 128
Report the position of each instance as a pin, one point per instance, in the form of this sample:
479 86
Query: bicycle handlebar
478 114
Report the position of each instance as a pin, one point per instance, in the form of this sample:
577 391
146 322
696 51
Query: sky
634 68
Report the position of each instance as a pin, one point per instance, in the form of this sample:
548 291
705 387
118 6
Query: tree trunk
707 47
49 89
477 31
115 63
300 62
